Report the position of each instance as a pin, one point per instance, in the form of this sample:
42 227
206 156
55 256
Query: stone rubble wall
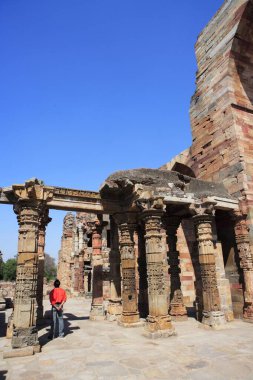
7 291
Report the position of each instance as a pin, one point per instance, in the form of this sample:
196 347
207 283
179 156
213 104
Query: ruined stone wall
222 106
221 115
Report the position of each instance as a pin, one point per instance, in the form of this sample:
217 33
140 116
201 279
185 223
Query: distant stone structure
75 261
166 239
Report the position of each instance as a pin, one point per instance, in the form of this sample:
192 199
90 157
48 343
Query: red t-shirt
57 295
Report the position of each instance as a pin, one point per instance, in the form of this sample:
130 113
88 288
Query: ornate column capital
151 206
33 189
206 208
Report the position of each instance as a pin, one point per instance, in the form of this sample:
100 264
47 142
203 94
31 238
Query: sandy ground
103 350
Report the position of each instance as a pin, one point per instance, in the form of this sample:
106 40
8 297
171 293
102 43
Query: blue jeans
57 321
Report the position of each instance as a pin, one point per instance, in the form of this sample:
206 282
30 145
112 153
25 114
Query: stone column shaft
114 309
25 301
212 314
44 220
177 308
130 314
76 273
246 263
158 320
81 274
97 309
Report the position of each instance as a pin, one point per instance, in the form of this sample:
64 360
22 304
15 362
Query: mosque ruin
153 244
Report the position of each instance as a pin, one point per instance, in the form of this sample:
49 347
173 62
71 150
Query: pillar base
23 337
158 324
178 312
129 318
9 331
248 313
213 318
114 310
140 323
97 313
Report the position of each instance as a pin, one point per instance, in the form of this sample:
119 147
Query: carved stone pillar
130 314
97 308
143 282
114 309
2 300
212 314
44 220
246 263
158 320
25 332
177 308
76 274
81 260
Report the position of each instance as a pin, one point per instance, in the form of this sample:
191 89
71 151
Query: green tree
9 270
50 269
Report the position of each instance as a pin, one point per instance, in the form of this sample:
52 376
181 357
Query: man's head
57 283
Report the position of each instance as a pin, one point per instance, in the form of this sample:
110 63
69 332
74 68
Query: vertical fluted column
44 220
81 260
130 314
114 309
2 300
177 307
76 273
158 320
97 308
142 268
246 263
76 261
212 314
25 332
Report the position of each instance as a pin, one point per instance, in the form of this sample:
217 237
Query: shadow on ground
68 329
3 375
3 325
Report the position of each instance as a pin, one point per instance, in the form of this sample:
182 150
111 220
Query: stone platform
102 350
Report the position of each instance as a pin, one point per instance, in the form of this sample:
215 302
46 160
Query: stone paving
103 350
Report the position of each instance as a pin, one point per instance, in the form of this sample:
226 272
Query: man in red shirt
57 298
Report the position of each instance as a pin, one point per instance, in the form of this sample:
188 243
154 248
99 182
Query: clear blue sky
89 87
